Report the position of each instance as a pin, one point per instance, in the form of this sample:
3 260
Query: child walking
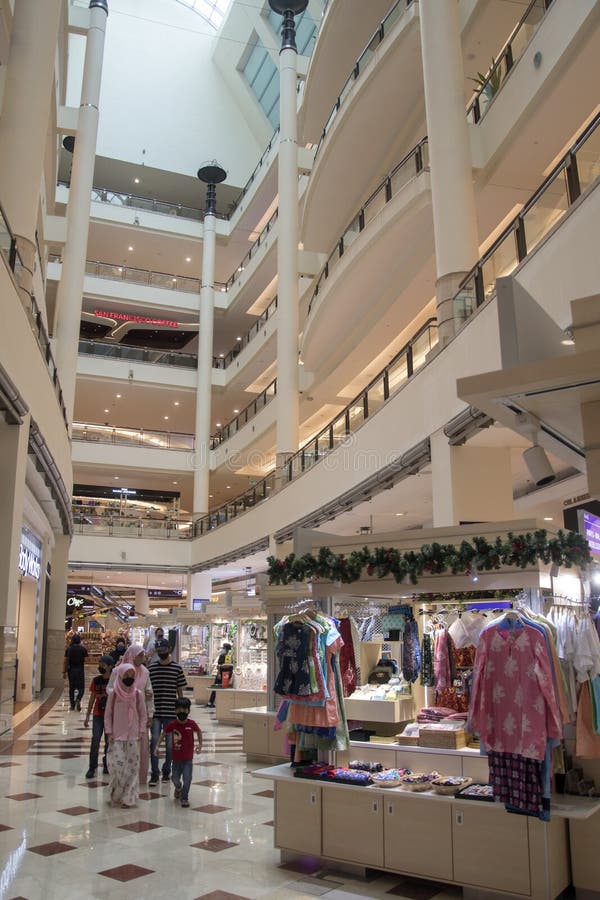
125 724
98 698
181 733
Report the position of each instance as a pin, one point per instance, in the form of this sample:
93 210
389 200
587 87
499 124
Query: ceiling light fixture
166 418
218 424
188 259
548 518
106 410
568 340
176 403
238 338
236 411
118 396
539 466
136 180
116 477
221 355
130 249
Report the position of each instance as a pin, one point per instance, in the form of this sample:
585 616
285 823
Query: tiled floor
60 839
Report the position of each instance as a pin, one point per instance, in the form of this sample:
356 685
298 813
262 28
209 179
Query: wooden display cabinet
298 817
353 827
418 837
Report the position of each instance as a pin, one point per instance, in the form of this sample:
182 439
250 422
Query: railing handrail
513 224
503 52
259 240
261 486
219 438
250 180
77 427
353 74
413 152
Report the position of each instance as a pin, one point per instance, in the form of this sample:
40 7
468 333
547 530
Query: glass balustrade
408 168
363 62
132 437
368 402
105 520
576 171
491 84
245 416
256 171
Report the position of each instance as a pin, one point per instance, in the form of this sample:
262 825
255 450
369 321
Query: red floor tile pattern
52 848
6 828
211 808
24 796
140 826
150 795
93 784
77 810
221 895
209 783
265 794
126 873
214 845
7 765
49 774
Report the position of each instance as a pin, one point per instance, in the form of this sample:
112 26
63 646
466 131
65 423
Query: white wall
162 94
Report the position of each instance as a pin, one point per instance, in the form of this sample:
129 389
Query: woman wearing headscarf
135 656
73 666
126 726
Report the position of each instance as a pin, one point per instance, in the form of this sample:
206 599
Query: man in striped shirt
168 682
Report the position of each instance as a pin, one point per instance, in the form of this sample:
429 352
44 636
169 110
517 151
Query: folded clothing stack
434 714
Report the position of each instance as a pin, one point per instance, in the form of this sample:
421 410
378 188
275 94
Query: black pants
76 686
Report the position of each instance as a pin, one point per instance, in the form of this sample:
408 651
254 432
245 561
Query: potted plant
489 84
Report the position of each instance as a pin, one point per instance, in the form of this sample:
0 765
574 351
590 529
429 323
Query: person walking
119 650
97 701
73 667
134 655
126 727
181 731
150 645
168 682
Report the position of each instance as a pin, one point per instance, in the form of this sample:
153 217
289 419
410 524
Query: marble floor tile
126 872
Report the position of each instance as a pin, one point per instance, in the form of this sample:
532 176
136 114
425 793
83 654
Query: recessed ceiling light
228 486
119 268
166 418
218 424
210 496
116 477
176 403
188 259
136 180
106 410
118 396
238 338
236 411
175 482
130 249
221 355
399 514
568 342
548 518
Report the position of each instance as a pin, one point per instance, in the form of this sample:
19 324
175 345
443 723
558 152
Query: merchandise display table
379 710
463 842
202 685
261 741
229 702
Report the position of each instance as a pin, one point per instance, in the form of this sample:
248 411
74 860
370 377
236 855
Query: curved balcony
576 173
370 120
379 390
346 27
132 437
246 415
379 255
104 521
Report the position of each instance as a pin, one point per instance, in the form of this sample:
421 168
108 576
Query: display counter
462 842
202 686
261 741
230 701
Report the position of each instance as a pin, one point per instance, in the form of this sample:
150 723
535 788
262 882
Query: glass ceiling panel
213 11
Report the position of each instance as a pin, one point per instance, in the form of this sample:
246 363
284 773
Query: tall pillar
199 587
70 288
142 602
13 464
287 242
24 120
453 197
211 174
470 484
55 624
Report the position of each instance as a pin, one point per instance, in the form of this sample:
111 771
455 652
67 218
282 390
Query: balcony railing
143 354
235 276
510 53
246 415
252 178
577 170
412 165
143 276
132 437
398 371
363 62
106 521
12 259
252 332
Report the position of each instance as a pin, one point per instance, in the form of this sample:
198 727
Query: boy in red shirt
98 697
181 733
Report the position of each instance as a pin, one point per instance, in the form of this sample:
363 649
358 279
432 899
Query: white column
287 261
199 587
55 625
70 287
470 484
204 376
25 114
453 198
142 602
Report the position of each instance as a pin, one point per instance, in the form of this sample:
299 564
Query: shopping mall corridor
60 839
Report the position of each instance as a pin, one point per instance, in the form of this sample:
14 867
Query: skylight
213 11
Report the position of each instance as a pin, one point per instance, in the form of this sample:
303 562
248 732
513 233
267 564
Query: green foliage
567 549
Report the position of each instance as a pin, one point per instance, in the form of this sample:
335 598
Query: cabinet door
418 836
353 826
585 840
491 848
277 740
256 735
298 817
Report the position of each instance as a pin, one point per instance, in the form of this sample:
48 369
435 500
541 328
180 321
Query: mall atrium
279 276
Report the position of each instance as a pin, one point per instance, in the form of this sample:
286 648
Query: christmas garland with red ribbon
567 549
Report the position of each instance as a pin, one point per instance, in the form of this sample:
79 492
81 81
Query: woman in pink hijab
125 724
134 655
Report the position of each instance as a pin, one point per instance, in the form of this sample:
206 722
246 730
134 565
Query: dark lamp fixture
212 173
294 6
69 143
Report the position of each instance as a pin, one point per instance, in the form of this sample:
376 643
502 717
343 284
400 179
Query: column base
55 652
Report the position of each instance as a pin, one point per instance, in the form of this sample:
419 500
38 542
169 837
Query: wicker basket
387 784
450 789
415 785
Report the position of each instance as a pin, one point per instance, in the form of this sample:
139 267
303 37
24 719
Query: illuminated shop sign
30 555
75 602
140 320
591 530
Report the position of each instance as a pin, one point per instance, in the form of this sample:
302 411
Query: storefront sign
30 555
591 530
128 317
157 593
75 602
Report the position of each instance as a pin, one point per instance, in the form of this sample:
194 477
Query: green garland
566 549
